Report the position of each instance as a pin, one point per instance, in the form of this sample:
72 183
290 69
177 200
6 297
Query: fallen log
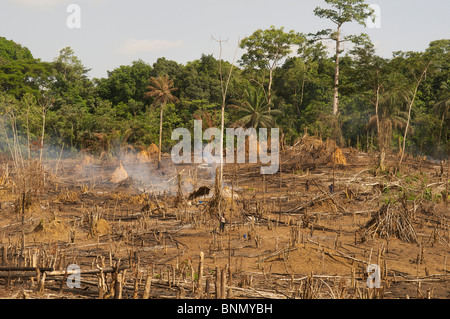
17 274
85 272
7 268
21 272
312 202
254 293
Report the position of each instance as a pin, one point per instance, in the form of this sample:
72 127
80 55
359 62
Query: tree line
284 78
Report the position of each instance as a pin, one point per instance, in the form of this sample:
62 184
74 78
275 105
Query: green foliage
11 51
125 83
255 110
19 77
343 11
266 48
285 79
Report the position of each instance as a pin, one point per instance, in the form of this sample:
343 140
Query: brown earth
286 235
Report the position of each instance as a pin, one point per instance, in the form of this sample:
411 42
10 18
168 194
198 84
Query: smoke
81 166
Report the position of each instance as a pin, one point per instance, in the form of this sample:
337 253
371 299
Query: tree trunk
222 123
160 135
269 99
384 139
42 137
377 101
224 89
302 95
409 112
441 127
336 75
28 133
382 158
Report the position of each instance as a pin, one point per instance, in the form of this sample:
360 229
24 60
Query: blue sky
115 33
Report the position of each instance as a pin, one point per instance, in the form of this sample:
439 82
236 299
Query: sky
112 33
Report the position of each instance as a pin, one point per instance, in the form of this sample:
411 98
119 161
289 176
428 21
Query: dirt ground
287 235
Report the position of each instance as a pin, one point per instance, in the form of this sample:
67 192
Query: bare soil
287 235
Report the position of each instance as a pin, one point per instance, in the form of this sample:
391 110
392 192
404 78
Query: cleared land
139 232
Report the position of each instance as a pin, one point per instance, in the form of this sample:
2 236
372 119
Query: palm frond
160 89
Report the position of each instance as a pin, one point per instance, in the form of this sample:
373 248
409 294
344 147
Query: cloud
134 46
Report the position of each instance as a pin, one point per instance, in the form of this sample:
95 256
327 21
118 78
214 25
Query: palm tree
160 89
256 110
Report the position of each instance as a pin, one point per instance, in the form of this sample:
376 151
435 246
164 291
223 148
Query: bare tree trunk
384 138
224 95
382 155
302 94
160 135
28 132
269 89
43 133
442 126
336 75
409 111
377 101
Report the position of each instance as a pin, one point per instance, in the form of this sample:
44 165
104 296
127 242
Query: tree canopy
284 78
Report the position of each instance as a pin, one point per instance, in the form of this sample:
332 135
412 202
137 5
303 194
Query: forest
284 79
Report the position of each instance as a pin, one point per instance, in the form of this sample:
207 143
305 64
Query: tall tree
160 89
71 84
341 12
224 83
414 66
296 78
266 49
439 95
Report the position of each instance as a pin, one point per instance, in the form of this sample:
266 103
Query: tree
160 89
71 84
342 11
255 110
410 99
388 118
162 66
11 51
45 103
69 66
125 82
201 80
411 68
300 74
365 79
439 95
224 90
266 49
24 76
